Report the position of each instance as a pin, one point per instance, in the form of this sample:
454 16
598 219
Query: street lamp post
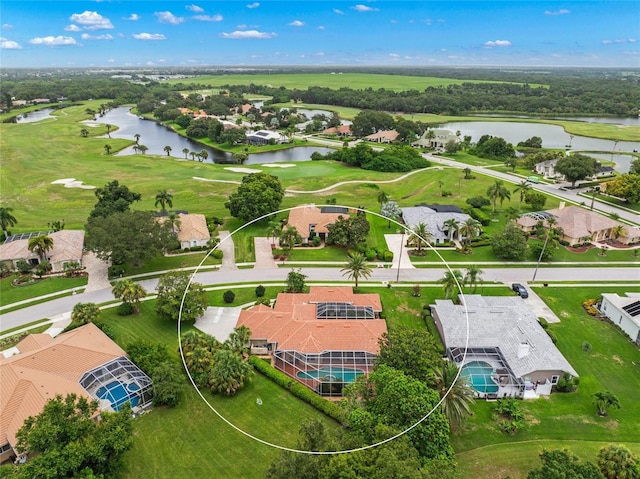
400 258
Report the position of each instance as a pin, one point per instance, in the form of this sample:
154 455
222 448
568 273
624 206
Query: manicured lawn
191 440
163 263
12 294
611 365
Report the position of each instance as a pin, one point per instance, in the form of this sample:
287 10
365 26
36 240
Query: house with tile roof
193 230
67 247
498 342
436 138
342 130
580 225
310 219
384 136
624 312
323 339
83 361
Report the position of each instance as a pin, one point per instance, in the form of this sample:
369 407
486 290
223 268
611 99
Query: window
554 379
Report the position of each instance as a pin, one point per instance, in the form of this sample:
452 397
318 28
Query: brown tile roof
67 246
193 226
578 223
389 135
37 374
301 218
342 129
292 324
33 342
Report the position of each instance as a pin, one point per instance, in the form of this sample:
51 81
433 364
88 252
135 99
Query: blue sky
111 33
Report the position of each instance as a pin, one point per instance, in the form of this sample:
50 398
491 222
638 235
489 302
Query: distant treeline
566 92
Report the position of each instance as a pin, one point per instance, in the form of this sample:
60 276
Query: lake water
155 137
34 116
553 136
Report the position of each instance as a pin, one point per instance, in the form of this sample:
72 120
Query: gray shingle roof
505 322
433 220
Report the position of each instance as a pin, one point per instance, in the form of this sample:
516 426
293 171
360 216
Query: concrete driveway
540 307
219 322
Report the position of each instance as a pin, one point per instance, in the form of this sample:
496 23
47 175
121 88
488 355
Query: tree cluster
396 158
178 299
493 147
349 232
259 194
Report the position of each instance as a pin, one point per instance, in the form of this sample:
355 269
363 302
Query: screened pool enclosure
117 382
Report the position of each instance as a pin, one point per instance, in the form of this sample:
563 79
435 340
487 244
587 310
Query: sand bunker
277 165
73 183
243 170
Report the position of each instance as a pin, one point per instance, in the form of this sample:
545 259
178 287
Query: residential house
624 312
384 136
604 171
67 247
342 130
323 339
436 139
191 229
83 361
547 169
580 225
500 346
309 219
265 137
435 218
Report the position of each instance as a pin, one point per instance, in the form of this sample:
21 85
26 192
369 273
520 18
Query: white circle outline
300 451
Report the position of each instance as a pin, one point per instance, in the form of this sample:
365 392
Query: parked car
520 290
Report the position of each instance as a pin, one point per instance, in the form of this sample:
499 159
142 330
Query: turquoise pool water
479 374
344 375
119 393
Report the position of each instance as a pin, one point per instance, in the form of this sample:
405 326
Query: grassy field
483 451
12 294
329 80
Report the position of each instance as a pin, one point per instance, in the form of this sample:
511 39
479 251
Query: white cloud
133 17
296 23
195 8
7 26
364 8
497 43
320 27
91 20
168 17
149 36
393 21
111 60
9 44
619 40
86 36
72 28
394 55
253 5
242 26
562 11
208 18
339 12
238 34
53 41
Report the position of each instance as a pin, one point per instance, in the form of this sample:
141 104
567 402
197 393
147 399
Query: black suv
520 290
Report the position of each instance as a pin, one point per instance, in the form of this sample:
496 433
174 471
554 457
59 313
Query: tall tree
130 292
172 288
163 198
356 268
451 283
391 211
451 225
558 463
617 462
84 313
185 152
510 243
137 137
274 229
420 236
167 150
40 245
7 219
113 198
472 276
259 194
457 392
382 197
84 133
229 372
295 281
498 191
107 149
409 350
523 187
576 167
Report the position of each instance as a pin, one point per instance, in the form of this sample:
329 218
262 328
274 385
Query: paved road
57 307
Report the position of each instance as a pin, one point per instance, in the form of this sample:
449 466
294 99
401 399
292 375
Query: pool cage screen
326 373
501 371
117 382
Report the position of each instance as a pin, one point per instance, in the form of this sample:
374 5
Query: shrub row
590 308
298 390
479 215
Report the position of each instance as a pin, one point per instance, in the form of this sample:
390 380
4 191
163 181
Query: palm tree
107 148
40 245
451 282
137 137
143 148
618 231
512 213
457 393
238 341
452 227
130 292
193 155
229 372
289 237
240 158
356 268
472 276
109 130
469 230
163 198
498 191
467 173
185 152
274 229
168 149
7 219
523 187
605 400
203 155
84 133
420 236
382 197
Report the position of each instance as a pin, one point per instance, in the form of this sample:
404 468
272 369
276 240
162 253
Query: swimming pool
479 374
118 393
344 375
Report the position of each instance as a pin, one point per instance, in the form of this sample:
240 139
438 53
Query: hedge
298 390
479 215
